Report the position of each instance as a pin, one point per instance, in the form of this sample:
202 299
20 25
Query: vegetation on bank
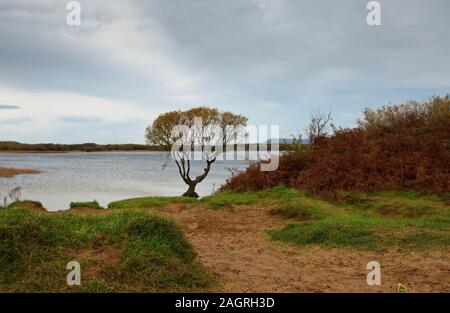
12 146
11 172
130 248
400 147
26 204
17 147
385 221
83 205
376 221
151 202
126 251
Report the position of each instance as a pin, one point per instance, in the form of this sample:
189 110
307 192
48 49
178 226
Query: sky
274 61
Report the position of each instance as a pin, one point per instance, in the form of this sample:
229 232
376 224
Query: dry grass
11 172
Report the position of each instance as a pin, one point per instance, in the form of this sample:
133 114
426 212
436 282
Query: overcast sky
274 61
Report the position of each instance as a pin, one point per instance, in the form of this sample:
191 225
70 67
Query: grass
132 249
11 172
327 233
91 205
404 221
298 211
150 202
28 204
382 221
126 251
265 197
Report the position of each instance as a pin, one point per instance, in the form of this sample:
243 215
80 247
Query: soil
97 259
389 210
233 243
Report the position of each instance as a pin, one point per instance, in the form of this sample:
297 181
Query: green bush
90 204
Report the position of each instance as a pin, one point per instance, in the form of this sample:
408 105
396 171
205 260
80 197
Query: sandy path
233 244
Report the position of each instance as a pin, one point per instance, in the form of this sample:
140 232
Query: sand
233 244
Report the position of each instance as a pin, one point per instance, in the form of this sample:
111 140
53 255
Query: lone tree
319 126
197 134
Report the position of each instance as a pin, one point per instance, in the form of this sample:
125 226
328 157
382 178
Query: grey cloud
274 61
9 107
40 52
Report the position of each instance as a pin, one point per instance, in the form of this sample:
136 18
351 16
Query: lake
105 176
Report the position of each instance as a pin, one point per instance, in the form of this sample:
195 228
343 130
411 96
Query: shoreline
73 151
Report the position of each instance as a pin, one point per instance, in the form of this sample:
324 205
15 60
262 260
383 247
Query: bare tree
319 126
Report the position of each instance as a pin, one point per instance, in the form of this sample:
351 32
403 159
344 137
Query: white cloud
47 113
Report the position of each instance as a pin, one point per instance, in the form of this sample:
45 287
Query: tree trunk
191 191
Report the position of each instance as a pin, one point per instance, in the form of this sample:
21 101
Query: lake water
105 177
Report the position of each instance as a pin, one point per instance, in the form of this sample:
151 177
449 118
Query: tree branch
199 179
179 171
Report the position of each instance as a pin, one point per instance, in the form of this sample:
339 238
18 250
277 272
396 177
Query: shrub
404 147
91 205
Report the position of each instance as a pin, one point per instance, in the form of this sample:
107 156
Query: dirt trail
233 244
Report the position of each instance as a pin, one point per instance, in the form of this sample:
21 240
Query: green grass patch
90 204
379 221
328 234
401 204
123 251
299 211
362 234
150 202
264 197
26 204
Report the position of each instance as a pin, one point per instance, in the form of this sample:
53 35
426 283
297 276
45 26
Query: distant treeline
84 147
13 146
